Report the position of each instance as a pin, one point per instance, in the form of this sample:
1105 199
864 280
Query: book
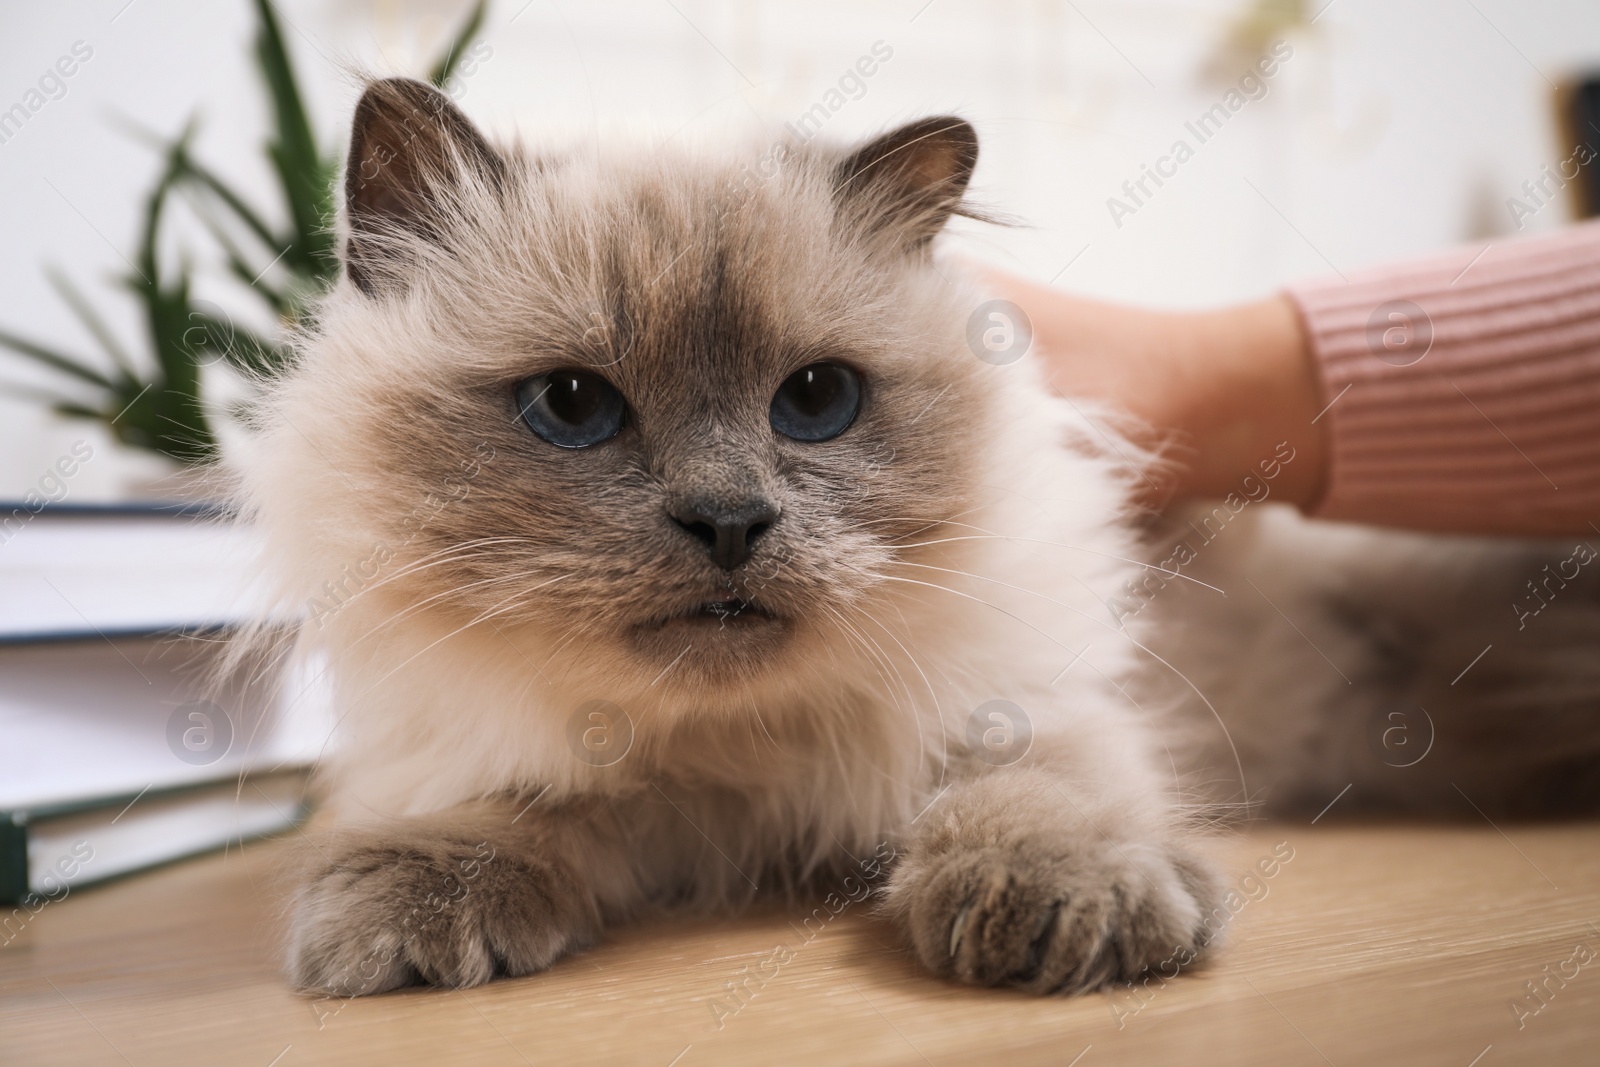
45 854
120 745
95 571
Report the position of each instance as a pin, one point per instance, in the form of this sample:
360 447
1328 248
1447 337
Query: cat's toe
1054 919
379 916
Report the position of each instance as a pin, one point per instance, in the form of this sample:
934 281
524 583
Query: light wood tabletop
1408 944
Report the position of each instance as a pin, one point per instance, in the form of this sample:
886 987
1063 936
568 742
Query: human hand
1220 390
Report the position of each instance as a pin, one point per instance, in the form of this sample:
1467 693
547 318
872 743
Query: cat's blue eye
816 403
571 408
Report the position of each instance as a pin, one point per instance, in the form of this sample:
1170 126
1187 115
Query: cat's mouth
730 611
703 635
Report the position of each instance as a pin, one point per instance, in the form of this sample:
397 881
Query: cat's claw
388 913
1053 919
958 927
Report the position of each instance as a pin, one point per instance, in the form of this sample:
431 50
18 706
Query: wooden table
1387 944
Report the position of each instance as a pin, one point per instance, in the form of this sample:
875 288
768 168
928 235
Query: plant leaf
204 176
306 178
282 303
458 46
58 360
73 410
42 396
91 319
149 269
237 345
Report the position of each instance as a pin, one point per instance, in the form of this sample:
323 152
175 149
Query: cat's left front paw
1049 914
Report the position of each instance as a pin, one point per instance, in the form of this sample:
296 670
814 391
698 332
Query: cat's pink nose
728 532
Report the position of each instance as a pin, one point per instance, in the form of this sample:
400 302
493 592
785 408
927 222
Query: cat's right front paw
391 912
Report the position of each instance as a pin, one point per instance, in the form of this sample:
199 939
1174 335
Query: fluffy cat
670 545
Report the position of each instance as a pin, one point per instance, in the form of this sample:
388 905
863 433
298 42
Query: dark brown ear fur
908 182
409 144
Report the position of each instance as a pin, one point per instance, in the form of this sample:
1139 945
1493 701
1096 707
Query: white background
1397 127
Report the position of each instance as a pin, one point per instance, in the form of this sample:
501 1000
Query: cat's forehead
685 234
658 270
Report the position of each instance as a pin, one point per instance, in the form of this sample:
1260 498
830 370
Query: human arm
1458 392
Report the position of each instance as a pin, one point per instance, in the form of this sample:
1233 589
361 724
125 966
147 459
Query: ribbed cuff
1463 390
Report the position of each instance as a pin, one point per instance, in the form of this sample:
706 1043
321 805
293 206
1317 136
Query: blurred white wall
1394 128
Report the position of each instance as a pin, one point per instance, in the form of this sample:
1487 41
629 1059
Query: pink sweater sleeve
1463 390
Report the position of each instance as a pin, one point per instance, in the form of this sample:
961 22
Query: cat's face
660 412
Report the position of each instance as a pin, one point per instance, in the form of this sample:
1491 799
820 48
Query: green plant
155 403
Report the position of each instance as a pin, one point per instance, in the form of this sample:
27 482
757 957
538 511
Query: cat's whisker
491 613
1238 762
904 701
572 634
452 553
859 639
943 729
867 642
400 616
527 687
416 607
984 534
932 693
881 663
927 520
1068 572
437 558
755 712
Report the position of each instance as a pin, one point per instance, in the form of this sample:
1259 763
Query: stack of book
125 742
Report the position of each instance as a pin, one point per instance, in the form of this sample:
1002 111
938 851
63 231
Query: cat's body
1423 673
701 658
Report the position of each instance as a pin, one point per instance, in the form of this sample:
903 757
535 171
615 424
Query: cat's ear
409 148
909 181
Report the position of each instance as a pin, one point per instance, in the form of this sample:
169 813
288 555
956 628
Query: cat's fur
480 592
